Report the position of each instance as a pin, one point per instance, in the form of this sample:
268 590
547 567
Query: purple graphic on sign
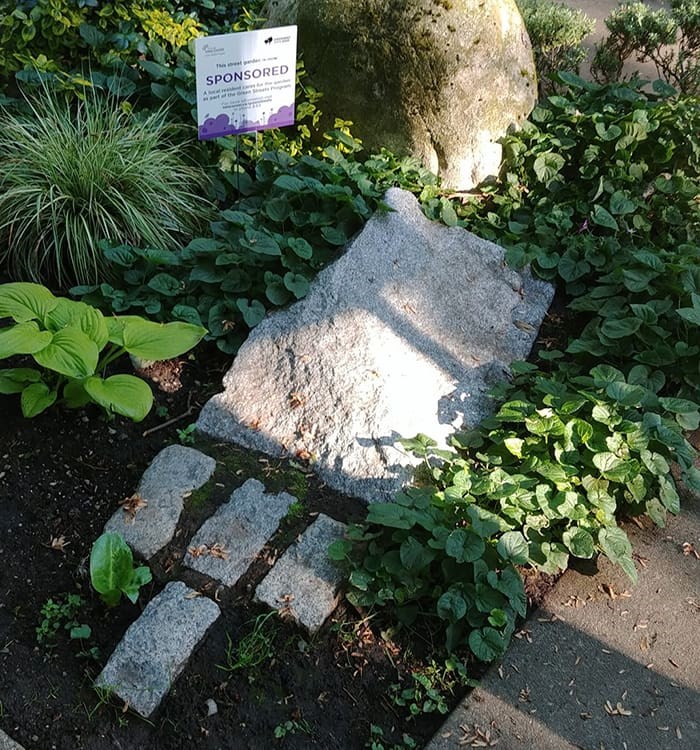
217 127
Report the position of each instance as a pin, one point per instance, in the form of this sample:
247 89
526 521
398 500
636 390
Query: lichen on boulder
440 79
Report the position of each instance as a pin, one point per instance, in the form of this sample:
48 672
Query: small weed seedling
254 648
186 434
376 741
292 726
58 615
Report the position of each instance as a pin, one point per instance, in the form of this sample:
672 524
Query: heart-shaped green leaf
71 353
122 394
23 338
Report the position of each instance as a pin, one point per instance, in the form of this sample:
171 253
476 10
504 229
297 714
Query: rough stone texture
173 473
600 639
155 649
241 526
402 334
440 80
304 582
7 743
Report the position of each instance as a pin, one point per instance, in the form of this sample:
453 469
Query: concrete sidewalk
603 664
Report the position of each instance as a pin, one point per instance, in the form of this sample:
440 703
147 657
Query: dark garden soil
62 475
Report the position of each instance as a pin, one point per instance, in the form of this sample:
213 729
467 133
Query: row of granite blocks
157 646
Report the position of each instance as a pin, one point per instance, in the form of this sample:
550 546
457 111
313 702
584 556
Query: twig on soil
169 422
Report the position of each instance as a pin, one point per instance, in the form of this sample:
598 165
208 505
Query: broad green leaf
512 546
487 644
669 495
154 341
301 247
655 463
485 523
579 542
121 394
23 338
71 314
14 380
464 545
691 314
611 466
297 284
391 515
509 582
111 564
620 328
165 284
626 394
657 512
71 353
548 165
36 398
603 218
140 577
253 311
260 242
23 301
75 395
414 555
621 204
615 545
605 374
451 606
334 235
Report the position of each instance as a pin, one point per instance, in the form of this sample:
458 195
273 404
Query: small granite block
173 473
305 582
155 648
7 743
240 528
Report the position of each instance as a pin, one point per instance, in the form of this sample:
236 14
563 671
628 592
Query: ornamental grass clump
76 171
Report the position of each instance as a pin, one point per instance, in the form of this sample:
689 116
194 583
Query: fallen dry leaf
689 549
476 737
59 543
214 550
617 710
132 505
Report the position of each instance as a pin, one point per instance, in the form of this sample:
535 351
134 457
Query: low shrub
667 37
556 33
76 172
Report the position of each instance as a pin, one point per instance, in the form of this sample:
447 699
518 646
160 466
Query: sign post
245 81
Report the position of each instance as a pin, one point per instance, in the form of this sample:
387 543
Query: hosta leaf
71 314
121 394
36 398
71 353
23 301
15 379
23 338
154 341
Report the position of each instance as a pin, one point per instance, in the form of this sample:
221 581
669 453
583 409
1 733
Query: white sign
245 81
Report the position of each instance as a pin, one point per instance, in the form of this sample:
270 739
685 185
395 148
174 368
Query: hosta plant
112 570
78 171
72 343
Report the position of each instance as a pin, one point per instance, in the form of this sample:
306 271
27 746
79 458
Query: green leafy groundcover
599 192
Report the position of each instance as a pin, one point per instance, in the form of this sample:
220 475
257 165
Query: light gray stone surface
174 472
155 648
7 743
304 582
241 526
441 80
404 333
